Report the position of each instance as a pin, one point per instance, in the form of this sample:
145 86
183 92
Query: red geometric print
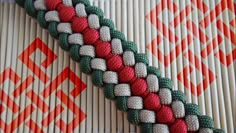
214 13
226 31
230 35
181 16
168 33
39 99
17 121
23 86
170 57
79 115
233 23
159 24
66 73
197 32
8 73
25 58
226 59
9 102
200 5
33 126
196 35
208 75
211 46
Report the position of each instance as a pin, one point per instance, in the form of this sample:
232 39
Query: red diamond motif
17 121
66 73
170 57
50 57
79 114
209 76
214 13
171 6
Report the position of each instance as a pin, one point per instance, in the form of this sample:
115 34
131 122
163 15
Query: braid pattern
115 65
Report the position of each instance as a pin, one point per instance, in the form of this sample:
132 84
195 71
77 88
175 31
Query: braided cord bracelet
115 65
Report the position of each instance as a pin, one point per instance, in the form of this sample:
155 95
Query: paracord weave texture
116 66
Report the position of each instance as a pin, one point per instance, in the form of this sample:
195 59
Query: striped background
203 48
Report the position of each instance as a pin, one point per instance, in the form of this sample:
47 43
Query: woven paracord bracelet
115 65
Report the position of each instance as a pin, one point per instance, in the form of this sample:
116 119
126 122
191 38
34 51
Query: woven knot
192 122
114 63
95 10
133 116
66 13
179 126
135 102
90 36
165 115
192 109
79 24
178 95
129 46
52 16
154 70
80 10
178 109
160 128
52 4
139 87
126 74
165 95
152 102
110 77
205 121
117 34
116 46
103 49
141 57
147 116
122 90
152 82
165 83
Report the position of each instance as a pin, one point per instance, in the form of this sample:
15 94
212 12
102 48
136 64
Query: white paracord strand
140 70
192 122
67 2
147 116
178 109
128 58
76 38
122 90
165 96
116 46
205 130
64 28
152 83
160 128
105 33
135 102
93 21
110 77
52 16
80 10
40 5
87 50
98 64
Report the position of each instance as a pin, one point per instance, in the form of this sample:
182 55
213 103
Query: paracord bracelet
115 65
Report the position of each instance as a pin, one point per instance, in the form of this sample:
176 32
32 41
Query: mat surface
192 42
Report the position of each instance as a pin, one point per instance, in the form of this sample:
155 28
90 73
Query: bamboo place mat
193 42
